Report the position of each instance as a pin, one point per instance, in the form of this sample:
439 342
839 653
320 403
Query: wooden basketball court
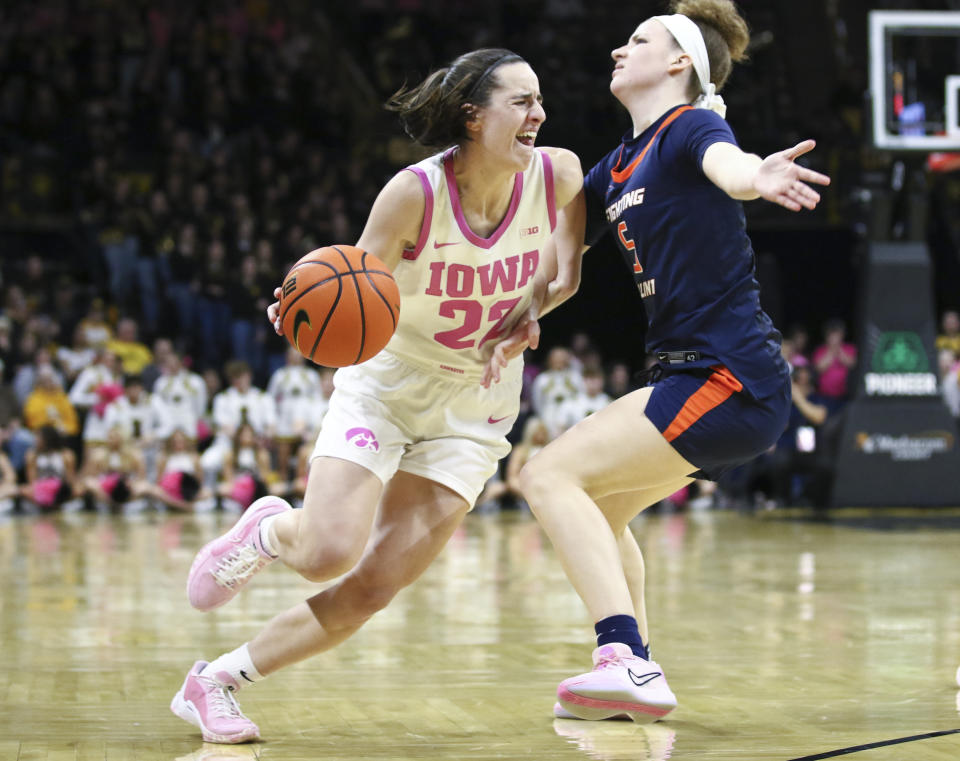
783 639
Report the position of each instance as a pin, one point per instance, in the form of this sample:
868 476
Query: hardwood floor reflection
780 638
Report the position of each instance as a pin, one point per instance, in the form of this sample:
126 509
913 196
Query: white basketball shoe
620 683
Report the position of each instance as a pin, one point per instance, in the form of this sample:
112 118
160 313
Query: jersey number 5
458 338
629 245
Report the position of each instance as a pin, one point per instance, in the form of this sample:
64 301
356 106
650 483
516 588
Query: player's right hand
273 312
525 333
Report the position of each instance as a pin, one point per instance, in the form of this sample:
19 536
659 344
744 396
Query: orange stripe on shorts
719 387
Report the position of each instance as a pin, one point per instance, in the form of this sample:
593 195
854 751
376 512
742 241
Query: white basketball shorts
386 415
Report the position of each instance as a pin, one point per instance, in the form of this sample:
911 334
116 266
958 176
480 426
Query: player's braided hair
436 111
725 34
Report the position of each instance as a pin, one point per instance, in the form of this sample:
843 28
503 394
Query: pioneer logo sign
899 367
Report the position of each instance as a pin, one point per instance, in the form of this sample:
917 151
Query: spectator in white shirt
591 399
184 394
557 383
240 403
95 387
293 388
142 418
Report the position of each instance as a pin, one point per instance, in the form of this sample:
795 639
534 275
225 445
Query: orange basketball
339 306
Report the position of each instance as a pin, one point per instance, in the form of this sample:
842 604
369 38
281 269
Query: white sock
265 541
237 664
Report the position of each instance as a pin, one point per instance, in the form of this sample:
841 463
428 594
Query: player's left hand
781 180
273 312
525 333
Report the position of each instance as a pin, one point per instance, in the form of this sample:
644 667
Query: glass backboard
914 79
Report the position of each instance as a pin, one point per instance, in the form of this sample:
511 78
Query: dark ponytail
436 111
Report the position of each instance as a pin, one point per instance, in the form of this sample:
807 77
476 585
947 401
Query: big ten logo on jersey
464 285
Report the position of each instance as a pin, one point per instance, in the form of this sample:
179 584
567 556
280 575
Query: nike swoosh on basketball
643 679
441 245
493 420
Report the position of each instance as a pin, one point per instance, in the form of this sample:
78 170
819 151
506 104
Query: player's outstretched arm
777 178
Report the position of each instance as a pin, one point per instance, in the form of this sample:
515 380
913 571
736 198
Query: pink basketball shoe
208 703
227 563
619 683
559 712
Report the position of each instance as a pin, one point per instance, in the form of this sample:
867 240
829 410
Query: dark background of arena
280 102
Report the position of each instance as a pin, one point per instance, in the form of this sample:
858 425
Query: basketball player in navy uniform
670 194
411 436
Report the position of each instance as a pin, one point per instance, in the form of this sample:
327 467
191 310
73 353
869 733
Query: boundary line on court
882 743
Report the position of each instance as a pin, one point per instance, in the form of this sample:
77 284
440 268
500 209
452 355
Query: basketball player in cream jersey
410 436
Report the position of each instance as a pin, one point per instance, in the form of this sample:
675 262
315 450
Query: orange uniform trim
719 387
624 174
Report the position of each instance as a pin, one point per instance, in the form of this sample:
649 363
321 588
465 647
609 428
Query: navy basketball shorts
709 418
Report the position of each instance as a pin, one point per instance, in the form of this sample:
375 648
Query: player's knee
328 560
374 595
534 479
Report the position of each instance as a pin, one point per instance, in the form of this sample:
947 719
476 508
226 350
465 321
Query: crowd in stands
162 164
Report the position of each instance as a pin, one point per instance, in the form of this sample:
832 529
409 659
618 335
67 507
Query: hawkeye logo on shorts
363 438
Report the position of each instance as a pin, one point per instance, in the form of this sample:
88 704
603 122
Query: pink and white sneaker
619 683
208 703
559 712
223 566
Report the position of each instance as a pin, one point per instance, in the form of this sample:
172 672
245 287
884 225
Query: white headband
688 37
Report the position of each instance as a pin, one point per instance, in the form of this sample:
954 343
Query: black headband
505 58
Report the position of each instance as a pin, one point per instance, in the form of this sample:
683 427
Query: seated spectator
90 391
184 394
15 440
294 490
114 474
134 356
505 492
293 388
246 468
178 484
49 406
797 469
74 358
949 336
51 471
94 325
557 383
619 381
162 349
8 350
9 489
241 403
832 362
583 404
796 342
142 416
25 378
949 363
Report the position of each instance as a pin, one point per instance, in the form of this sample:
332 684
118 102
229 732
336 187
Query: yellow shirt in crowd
133 356
50 408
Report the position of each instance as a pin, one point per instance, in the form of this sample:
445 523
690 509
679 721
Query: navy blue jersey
685 240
